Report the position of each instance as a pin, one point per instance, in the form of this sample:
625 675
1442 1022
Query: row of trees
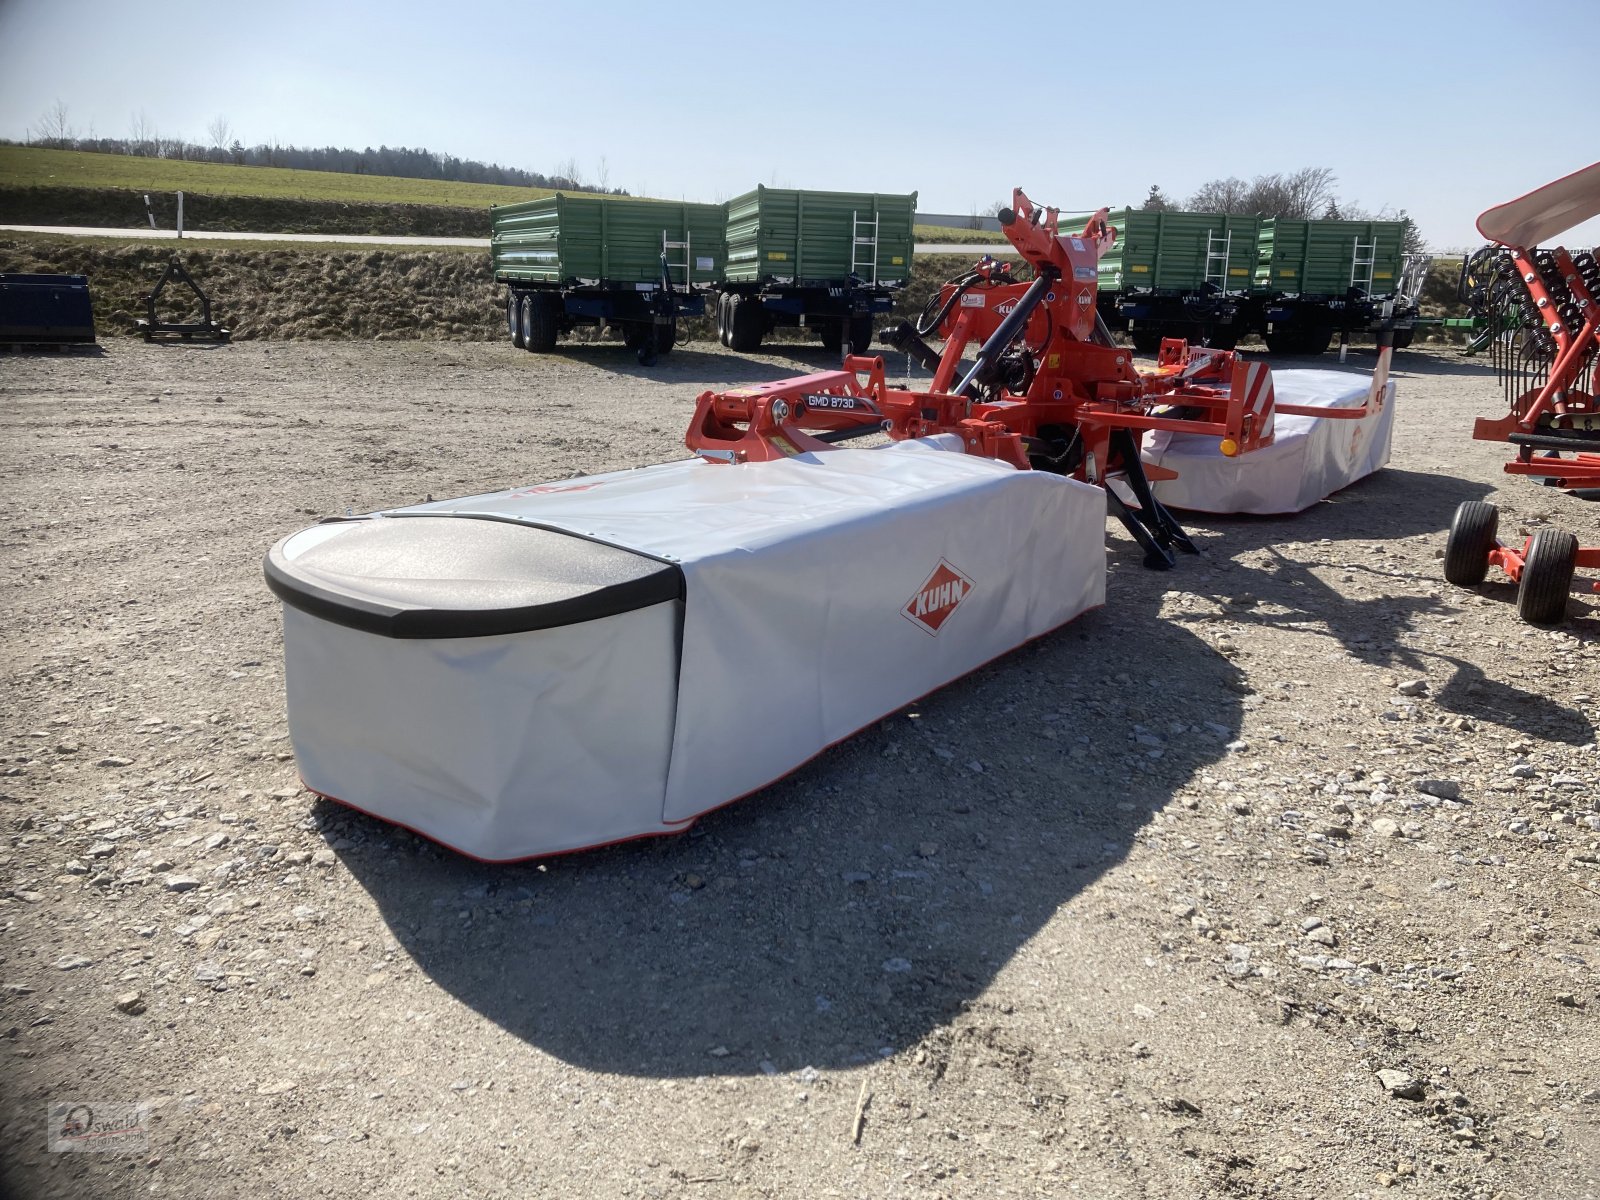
1306 194
54 130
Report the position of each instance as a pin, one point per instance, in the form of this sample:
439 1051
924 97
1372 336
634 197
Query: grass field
941 234
29 166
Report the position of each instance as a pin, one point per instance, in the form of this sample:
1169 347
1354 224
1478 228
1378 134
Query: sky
1416 104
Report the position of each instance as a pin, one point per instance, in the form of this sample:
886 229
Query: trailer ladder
857 240
1362 259
1218 250
687 265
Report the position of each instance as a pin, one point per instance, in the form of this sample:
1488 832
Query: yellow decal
777 256
784 445
1238 271
1383 274
1286 272
1140 269
897 261
1052 362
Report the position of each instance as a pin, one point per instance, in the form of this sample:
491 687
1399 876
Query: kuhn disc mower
560 666
1541 306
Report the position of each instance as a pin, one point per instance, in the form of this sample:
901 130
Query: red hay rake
1542 303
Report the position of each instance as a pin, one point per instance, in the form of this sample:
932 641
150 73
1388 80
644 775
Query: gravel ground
1277 876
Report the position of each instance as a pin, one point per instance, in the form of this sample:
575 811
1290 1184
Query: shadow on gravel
1437 363
1401 504
69 350
1436 360
849 910
700 361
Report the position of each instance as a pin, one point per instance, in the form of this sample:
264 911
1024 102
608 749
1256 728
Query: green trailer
827 261
1329 258
634 265
1216 278
1176 274
1318 279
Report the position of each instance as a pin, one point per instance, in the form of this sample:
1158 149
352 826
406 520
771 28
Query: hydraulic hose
985 370
964 284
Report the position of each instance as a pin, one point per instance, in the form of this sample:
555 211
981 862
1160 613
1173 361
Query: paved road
361 239
971 248
370 239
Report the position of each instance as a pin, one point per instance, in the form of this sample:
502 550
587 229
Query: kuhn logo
936 599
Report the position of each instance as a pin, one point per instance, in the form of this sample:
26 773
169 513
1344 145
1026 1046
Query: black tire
1466 549
1284 341
861 333
524 319
1402 338
514 318
746 324
666 336
1317 340
1547 577
832 334
1146 341
722 317
541 326
1223 337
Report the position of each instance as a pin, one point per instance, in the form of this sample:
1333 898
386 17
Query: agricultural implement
156 329
565 665
1539 307
45 310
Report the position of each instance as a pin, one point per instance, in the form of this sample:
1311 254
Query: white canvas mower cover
1308 459
566 665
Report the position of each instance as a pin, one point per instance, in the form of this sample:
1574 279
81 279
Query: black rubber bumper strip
465 576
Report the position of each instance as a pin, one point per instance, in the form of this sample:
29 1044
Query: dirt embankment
117 208
292 293
318 292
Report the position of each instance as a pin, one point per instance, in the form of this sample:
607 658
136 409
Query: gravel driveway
1277 876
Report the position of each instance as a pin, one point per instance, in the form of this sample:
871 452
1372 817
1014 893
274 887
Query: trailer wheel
1466 549
1402 338
832 334
514 318
746 323
1223 337
524 319
1317 340
722 317
1547 577
861 333
1284 341
540 327
1146 341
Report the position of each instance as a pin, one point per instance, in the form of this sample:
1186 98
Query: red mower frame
1049 390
